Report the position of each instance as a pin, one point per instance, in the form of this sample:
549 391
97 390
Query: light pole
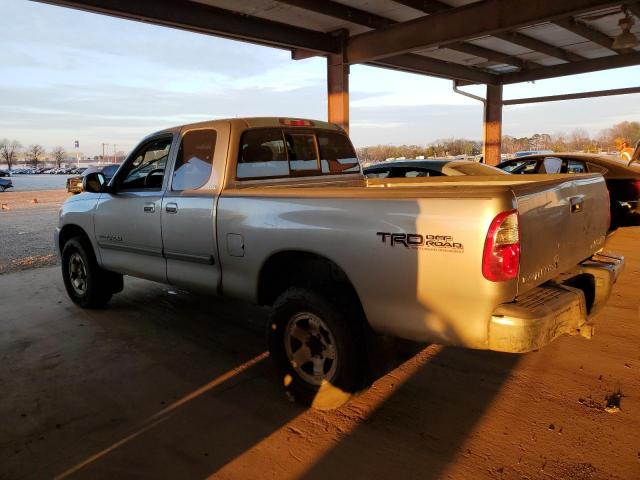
77 144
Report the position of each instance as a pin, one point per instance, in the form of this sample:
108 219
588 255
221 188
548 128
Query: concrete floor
166 384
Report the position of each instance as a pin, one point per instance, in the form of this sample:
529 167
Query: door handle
149 207
576 203
171 208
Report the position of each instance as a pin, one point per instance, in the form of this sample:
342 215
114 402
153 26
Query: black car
428 168
5 184
74 184
622 178
5 173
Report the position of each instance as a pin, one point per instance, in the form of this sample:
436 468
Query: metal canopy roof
489 41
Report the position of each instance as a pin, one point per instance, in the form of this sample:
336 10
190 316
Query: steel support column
338 90
493 125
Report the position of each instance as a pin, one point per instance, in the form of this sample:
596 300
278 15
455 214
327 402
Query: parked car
622 178
5 184
276 211
74 184
5 173
526 153
429 168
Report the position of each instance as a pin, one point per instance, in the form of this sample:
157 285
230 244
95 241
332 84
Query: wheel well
68 232
300 269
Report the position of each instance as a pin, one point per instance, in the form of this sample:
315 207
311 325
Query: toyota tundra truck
276 211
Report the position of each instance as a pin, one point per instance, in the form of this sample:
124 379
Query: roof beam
201 18
342 12
492 55
427 6
585 66
585 31
539 46
474 20
573 96
515 38
374 21
635 9
437 68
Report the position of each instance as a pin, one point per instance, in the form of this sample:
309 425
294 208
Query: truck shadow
185 389
422 427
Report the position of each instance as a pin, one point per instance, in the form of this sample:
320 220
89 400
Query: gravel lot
26 228
30 183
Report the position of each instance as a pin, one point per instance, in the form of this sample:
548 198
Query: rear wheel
316 344
86 283
2 188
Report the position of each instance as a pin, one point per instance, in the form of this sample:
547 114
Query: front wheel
86 283
2 188
317 346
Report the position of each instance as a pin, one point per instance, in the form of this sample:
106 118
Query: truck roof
257 122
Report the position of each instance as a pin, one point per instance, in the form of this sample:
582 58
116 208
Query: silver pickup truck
276 211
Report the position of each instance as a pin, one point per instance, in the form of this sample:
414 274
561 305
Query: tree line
11 150
609 140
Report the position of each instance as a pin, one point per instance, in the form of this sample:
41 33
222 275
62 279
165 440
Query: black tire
2 188
345 374
87 284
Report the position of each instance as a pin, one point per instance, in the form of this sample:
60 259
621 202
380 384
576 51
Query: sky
67 75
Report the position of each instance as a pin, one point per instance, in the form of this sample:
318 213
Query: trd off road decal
439 243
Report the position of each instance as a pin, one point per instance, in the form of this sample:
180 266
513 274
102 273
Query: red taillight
293 122
501 257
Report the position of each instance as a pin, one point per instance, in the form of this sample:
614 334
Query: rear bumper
564 306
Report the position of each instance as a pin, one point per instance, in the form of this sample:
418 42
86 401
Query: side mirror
94 182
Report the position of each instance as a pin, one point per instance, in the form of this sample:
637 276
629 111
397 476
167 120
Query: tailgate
562 222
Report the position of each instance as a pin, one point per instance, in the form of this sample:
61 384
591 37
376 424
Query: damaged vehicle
277 212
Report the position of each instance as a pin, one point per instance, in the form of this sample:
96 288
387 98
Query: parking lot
164 383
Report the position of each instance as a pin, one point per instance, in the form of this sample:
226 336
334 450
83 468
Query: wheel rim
78 274
311 348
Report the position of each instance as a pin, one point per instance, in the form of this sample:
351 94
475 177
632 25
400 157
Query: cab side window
146 170
194 160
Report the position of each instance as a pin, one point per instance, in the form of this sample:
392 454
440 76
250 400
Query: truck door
189 210
127 219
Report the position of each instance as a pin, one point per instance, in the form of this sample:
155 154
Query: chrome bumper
555 308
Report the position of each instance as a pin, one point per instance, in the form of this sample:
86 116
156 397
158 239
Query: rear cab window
285 152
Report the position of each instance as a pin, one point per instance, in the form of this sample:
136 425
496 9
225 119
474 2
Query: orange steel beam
493 125
338 91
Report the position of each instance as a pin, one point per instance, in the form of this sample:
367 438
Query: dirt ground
27 222
167 384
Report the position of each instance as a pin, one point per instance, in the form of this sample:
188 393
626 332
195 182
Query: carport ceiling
489 41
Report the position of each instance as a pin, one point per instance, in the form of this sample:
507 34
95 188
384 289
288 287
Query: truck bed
415 286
